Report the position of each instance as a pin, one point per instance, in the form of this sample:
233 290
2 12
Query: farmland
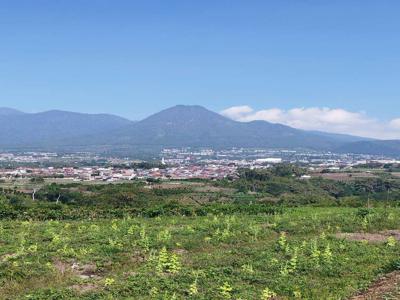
296 254
259 237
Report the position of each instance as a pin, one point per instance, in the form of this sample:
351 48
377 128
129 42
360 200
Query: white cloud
236 112
335 120
395 123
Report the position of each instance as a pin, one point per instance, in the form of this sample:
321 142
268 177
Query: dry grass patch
86 271
84 288
379 237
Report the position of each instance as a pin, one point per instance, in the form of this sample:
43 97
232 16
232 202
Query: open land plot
342 176
298 254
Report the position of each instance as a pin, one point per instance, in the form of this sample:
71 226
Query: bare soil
386 287
341 176
379 237
87 271
7 256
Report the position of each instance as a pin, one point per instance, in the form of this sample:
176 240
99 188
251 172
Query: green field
290 255
268 234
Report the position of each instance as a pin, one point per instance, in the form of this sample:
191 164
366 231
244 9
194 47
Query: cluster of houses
175 164
110 174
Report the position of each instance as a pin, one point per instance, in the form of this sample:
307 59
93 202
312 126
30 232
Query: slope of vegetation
294 255
266 235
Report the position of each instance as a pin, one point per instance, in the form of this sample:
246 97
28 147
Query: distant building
269 160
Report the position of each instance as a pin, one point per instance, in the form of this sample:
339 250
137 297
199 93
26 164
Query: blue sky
134 58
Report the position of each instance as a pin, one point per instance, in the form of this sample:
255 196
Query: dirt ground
385 288
379 237
345 176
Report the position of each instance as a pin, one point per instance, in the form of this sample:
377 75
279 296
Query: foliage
290 255
262 236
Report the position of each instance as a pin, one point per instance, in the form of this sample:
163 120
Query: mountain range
178 126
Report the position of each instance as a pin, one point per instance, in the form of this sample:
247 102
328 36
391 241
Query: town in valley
179 164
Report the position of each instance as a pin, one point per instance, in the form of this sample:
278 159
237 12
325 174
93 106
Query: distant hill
377 147
52 128
345 138
198 127
178 126
5 111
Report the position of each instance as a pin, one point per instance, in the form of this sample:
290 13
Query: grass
293 255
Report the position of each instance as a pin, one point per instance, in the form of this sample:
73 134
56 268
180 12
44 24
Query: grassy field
298 254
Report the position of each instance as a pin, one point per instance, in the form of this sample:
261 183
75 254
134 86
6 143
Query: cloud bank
335 120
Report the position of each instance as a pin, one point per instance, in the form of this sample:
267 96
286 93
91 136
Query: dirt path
379 237
385 288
